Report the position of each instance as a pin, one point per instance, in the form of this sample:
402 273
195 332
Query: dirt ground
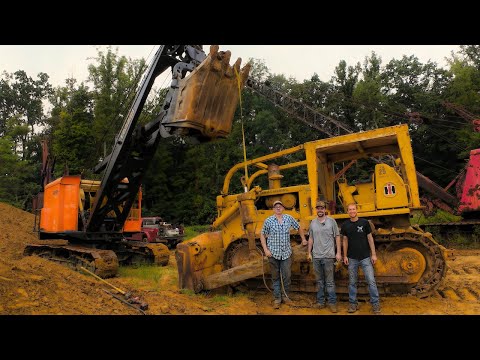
34 286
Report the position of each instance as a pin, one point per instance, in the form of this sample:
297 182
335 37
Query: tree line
80 122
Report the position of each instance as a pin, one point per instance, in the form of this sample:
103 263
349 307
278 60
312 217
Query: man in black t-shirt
359 250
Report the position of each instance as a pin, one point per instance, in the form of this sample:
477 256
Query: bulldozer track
462 282
471 270
475 292
467 294
432 251
388 240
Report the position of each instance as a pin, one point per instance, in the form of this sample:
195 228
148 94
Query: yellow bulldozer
410 261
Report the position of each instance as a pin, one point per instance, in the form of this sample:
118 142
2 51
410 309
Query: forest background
80 121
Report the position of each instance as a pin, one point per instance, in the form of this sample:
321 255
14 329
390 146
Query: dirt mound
31 285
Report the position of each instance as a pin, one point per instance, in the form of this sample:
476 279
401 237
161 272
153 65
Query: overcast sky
299 61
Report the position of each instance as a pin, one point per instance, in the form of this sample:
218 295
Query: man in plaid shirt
275 238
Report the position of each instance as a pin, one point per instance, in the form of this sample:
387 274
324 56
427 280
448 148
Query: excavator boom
91 215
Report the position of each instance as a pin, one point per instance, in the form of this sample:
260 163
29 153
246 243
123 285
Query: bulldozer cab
387 187
386 183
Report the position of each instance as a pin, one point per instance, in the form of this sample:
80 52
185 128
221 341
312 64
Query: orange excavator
92 217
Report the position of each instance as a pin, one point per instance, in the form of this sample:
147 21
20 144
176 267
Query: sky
299 61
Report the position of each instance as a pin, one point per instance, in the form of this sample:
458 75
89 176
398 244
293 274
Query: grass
220 298
194 230
215 300
187 292
151 277
439 217
454 238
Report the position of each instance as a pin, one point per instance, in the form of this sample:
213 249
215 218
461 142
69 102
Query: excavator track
103 263
160 252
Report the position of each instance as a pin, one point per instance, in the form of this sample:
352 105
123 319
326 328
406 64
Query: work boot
333 308
352 308
376 309
319 306
287 300
276 303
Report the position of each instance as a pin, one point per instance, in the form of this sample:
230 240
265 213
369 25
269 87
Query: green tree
339 103
16 176
368 95
73 140
115 79
7 100
21 101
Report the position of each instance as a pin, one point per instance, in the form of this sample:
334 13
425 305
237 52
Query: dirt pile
31 285
35 286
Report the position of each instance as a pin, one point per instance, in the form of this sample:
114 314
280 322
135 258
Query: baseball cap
278 202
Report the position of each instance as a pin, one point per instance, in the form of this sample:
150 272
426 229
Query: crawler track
410 261
433 253
102 262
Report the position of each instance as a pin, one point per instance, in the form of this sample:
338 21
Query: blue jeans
367 268
285 267
324 271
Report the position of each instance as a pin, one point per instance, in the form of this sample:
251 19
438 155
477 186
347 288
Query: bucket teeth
206 100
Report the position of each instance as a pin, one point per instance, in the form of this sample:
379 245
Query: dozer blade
238 273
248 270
207 98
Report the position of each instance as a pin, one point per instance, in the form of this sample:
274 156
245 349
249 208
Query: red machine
156 230
470 197
465 202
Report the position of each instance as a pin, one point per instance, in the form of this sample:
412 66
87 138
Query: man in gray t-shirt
323 237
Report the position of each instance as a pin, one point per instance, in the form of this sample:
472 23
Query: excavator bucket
206 99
